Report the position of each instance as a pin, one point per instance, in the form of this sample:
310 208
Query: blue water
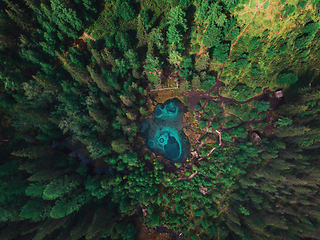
163 131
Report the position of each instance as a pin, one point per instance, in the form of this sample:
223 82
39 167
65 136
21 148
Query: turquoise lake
163 132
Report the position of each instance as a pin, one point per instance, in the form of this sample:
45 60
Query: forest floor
262 15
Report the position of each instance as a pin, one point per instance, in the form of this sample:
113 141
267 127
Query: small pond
163 131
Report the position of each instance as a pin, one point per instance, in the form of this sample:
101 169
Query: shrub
303 41
283 121
203 101
226 136
240 132
242 63
255 42
288 10
203 124
235 33
212 36
213 107
263 106
283 48
311 28
215 125
208 83
286 78
221 52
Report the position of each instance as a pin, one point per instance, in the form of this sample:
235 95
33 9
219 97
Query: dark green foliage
263 106
254 43
235 33
212 36
226 136
125 10
242 62
186 68
202 62
203 124
240 132
287 78
208 83
123 41
288 9
311 28
283 48
35 210
77 76
177 26
221 52
213 107
303 41
58 188
284 121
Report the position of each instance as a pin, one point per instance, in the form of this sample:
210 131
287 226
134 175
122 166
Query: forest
78 76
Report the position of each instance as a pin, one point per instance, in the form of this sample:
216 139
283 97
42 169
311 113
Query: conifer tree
99 80
34 152
35 210
77 74
107 57
18 15
177 26
49 226
141 33
58 188
212 36
203 62
70 16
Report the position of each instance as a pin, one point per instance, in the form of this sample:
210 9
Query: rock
203 190
195 154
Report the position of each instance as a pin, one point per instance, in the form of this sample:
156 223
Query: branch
153 90
188 178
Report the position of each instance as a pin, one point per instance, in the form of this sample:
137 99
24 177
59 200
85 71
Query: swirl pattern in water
163 131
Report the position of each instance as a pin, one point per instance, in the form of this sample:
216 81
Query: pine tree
34 152
49 226
203 62
235 228
99 80
291 131
141 33
35 209
177 26
35 189
174 56
98 149
18 15
124 41
212 36
125 10
61 209
132 57
119 145
221 52
100 220
59 187
121 66
65 14
107 57
77 74
81 228
156 38
97 57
